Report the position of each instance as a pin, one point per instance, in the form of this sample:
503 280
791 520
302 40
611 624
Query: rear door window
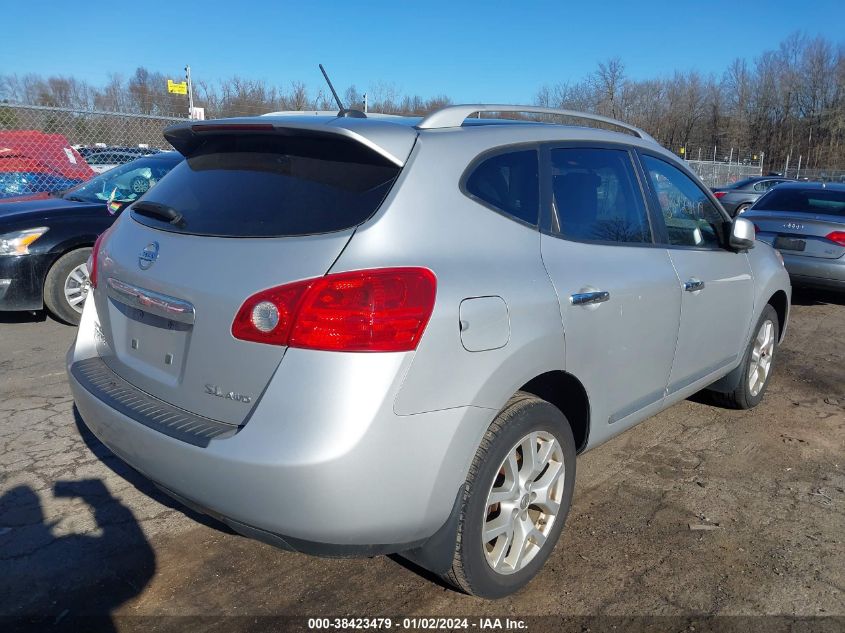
509 183
274 186
597 196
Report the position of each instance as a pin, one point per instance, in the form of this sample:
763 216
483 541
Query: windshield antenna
341 110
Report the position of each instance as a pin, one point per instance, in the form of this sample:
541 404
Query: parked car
103 159
805 221
45 239
358 336
736 198
35 162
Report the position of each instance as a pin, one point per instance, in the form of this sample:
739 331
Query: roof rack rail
454 116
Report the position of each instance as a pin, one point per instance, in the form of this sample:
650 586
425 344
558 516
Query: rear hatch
255 209
800 221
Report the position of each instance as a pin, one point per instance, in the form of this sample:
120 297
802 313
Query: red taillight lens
720 194
380 310
94 257
837 236
756 229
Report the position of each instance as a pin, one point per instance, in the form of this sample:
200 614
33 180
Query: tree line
788 101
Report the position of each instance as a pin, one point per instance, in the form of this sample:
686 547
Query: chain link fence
820 175
715 173
46 149
718 166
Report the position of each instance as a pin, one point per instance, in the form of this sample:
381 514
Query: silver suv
358 336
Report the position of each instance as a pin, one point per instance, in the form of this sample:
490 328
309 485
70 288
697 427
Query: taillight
837 236
379 310
756 229
94 257
720 194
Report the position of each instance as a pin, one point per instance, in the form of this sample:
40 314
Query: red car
33 162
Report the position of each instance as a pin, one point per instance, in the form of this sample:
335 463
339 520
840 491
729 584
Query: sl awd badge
214 390
148 256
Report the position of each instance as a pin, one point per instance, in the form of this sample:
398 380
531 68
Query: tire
522 416
60 288
749 392
741 209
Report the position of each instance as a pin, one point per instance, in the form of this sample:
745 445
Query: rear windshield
815 200
252 186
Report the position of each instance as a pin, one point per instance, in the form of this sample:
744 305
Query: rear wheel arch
564 391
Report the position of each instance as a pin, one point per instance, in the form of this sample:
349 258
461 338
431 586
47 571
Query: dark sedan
739 196
805 221
45 239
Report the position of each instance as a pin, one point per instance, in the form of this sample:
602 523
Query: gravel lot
80 533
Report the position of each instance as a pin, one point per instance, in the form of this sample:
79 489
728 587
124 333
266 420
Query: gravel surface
700 510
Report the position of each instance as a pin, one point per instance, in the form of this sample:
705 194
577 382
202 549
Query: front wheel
66 286
515 499
757 363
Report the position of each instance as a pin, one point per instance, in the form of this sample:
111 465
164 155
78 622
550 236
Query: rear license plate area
790 243
149 343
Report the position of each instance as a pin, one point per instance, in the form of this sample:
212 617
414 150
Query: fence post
190 92
714 164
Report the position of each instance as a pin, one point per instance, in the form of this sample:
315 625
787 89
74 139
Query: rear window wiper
160 211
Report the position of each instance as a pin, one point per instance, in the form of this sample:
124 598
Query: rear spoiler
391 142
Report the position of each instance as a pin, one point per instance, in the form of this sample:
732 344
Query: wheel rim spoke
498 495
501 549
498 526
529 458
518 547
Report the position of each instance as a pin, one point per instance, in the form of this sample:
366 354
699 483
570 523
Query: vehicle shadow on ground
23 317
141 483
813 297
77 578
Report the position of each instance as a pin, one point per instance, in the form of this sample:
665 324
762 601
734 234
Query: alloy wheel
76 287
761 357
523 502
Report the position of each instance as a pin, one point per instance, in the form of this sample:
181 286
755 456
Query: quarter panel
474 252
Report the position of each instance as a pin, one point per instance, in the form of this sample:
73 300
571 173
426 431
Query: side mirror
742 234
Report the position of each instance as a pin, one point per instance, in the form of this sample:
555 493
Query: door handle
589 298
693 285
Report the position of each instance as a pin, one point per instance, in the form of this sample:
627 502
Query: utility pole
190 92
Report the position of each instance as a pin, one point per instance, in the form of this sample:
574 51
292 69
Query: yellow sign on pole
179 89
683 150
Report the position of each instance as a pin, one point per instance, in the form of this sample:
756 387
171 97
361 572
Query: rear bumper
22 281
336 474
815 271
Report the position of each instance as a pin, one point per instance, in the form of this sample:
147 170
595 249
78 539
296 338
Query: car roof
394 136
